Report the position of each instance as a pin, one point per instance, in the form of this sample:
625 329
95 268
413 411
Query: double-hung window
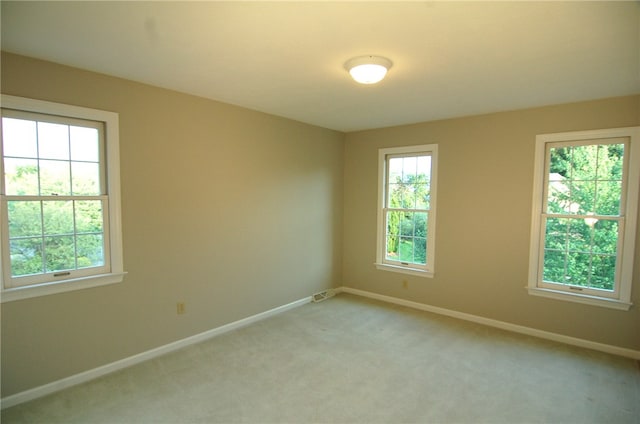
60 203
584 219
407 209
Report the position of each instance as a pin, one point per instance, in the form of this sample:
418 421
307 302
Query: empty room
320 212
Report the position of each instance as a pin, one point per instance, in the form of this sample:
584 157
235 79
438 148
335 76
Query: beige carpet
349 360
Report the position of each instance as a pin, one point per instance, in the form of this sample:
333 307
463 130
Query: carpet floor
355 360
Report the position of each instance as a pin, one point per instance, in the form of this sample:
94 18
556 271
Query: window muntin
585 211
407 213
60 214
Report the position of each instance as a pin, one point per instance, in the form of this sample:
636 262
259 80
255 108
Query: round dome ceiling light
368 69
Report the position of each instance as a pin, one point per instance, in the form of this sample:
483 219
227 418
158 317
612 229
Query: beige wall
232 211
484 214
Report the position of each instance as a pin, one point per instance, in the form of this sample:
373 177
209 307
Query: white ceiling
286 58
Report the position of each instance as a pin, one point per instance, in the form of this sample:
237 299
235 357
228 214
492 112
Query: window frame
427 270
113 271
620 297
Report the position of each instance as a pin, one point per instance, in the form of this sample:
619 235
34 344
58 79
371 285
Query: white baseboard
615 350
92 374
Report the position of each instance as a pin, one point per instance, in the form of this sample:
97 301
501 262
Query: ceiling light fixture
368 69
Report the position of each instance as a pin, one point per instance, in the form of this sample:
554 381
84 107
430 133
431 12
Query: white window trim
381 242
623 301
112 143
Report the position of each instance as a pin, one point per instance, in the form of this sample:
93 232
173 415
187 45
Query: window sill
404 270
580 298
45 289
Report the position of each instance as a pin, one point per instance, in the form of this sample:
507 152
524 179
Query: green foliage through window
407 212
582 231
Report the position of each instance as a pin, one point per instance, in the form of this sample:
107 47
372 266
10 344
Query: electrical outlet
180 308
405 284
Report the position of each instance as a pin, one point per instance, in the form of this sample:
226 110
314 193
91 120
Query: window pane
393 222
422 195
424 166
608 198
395 170
583 194
412 250
90 250
53 141
554 266
406 224
603 272
88 214
401 196
85 145
559 196
25 219
19 138
406 237
556 234
58 217
54 178
393 243
21 177
395 193
406 249
578 268
409 166
85 178
392 236
59 253
420 250
26 256
421 225
579 236
559 163
605 236
584 162
612 159
408 197
422 182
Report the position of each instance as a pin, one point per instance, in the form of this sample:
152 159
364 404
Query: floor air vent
319 297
